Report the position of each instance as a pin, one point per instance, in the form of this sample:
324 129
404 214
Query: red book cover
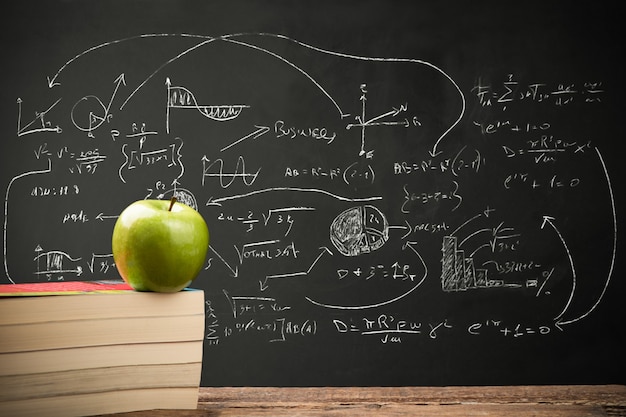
63 288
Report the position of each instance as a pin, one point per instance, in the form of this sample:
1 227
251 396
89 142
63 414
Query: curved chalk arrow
6 210
433 151
363 307
548 219
613 255
230 38
52 81
204 40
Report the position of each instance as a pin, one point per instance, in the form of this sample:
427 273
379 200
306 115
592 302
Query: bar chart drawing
458 272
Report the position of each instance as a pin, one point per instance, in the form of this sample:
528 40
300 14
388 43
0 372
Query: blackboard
398 193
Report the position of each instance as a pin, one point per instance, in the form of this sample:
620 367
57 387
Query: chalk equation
364 203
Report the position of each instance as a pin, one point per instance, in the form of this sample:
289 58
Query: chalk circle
359 230
88 113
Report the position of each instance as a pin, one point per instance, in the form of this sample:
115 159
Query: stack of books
86 348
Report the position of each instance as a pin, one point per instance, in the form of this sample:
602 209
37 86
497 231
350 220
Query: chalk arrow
261 130
235 271
408 229
410 245
561 322
484 213
210 202
264 283
6 213
53 81
434 152
549 220
118 81
546 219
102 217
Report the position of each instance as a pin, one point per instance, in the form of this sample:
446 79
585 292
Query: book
83 381
98 332
53 360
85 348
98 403
32 303
63 288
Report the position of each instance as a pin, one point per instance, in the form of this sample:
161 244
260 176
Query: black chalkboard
398 193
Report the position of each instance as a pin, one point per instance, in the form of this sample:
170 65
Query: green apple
159 245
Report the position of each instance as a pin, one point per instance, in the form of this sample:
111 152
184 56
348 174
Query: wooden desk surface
522 401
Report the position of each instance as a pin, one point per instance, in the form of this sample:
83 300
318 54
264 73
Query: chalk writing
60 191
560 94
391 329
365 204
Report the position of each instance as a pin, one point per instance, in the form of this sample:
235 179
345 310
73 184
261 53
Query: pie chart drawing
359 230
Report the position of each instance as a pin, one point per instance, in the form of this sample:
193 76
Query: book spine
54 360
103 403
41 309
85 381
99 332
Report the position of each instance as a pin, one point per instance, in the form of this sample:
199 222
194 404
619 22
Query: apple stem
172 201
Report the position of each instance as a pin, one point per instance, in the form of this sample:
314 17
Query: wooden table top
522 401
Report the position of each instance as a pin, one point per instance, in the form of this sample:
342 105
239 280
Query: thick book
100 332
42 316
106 402
87 381
63 287
137 354
73 300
